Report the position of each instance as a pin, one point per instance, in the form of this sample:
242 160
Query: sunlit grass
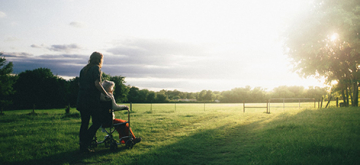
190 134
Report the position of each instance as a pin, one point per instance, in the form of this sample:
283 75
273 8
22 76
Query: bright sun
334 37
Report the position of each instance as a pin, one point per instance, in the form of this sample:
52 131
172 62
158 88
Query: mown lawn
188 134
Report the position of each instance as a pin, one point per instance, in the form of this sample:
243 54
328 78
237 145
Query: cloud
16 55
166 59
156 64
63 64
58 48
64 48
135 59
2 14
157 52
155 58
77 24
37 46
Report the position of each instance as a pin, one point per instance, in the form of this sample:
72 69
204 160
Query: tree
236 95
201 96
133 95
105 76
326 42
143 94
6 83
73 88
315 92
161 97
209 96
257 95
41 88
151 96
121 90
190 95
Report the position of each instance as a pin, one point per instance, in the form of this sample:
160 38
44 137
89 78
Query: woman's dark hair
96 58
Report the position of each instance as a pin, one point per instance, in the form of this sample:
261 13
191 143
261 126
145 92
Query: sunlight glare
334 37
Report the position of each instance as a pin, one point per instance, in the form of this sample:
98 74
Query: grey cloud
58 48
16 55
168 59
138 59
64 48
37 46
64 64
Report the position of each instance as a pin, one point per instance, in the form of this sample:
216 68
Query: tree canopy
41 88
6 82
325 42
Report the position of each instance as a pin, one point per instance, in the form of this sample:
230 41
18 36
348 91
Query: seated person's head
108 86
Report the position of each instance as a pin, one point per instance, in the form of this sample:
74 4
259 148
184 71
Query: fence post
269 101
243 107
283 103
131 106
175 106
267 106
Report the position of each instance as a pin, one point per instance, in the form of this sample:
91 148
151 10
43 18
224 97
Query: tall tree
161 97
143 94
41 88
133 95
326 42
6 83
73 88
151 96
121 90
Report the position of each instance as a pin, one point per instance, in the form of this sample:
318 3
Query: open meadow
191 134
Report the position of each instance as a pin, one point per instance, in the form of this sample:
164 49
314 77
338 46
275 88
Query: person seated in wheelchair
109 87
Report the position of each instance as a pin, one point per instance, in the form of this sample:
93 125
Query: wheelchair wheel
93 143
129 144
113 145
107 142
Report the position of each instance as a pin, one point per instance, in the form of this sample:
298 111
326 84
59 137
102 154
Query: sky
187 45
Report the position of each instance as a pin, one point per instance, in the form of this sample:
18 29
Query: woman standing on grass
88 101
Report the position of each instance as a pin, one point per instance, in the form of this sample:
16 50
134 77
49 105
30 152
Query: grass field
191 134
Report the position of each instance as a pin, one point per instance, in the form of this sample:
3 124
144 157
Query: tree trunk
355 95
344 94
347 96
351 96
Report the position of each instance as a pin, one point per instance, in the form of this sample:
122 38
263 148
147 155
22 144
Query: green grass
191 134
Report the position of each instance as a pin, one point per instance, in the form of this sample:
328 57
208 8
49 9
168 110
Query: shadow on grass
72 157
71 115
309 137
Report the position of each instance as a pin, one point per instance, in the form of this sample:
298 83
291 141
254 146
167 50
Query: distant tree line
41 89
